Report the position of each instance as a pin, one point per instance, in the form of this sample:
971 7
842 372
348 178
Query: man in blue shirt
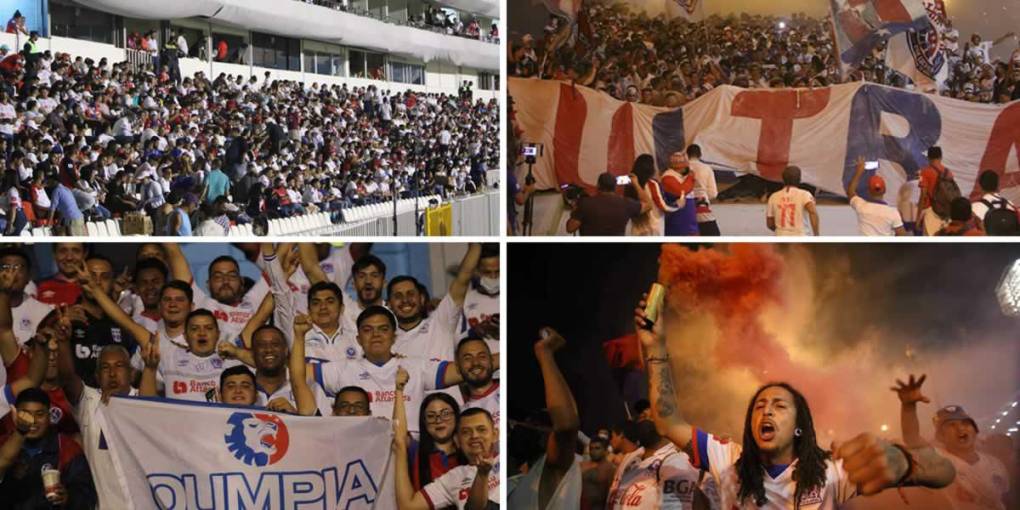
217 184
62 201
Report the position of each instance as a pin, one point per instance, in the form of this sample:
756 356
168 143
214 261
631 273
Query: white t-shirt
523 490
720 458
27 317
111 496
188 377
978 486
489 401
379 382
323 348
666 480
705 190
453 487
875 219
435 337
232 319
787 207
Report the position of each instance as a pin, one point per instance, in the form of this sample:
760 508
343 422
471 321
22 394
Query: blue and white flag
190 456
920 54
861 25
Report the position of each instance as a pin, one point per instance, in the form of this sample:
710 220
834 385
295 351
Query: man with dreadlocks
780 465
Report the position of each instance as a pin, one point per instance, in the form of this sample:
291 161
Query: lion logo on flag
257 439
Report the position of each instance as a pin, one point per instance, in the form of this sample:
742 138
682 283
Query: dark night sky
936 295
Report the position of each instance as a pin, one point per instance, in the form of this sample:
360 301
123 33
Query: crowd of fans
658 459
88 140
667 63
432 18
91 331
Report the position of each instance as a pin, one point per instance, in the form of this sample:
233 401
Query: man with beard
232 306
92 328
63 288
481 303
36 446
596 475
780 462
981 482
279 390
432 336
554 481
475 364
376 370
471 486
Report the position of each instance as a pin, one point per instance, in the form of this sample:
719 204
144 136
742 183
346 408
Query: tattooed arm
661 391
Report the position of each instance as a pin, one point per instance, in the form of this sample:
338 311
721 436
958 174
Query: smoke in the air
749 314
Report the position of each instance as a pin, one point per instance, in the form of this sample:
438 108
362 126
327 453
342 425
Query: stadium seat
113 228
92 229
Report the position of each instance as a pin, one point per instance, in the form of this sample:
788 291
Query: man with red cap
874 216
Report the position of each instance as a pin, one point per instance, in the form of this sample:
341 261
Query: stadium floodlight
1008 290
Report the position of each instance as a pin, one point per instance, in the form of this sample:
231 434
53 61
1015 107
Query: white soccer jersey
322 402
478 308
232 319
786 206
453 487
720 458
188 377
664 480
379 382
489 401
323 348
27 317
978 486
167 345
435 337
523 490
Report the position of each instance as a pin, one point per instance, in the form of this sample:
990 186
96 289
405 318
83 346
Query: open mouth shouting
766 430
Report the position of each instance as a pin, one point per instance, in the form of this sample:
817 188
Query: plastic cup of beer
51 483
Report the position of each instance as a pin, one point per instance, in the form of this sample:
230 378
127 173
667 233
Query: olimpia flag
920 54
220 456
861 25
687 9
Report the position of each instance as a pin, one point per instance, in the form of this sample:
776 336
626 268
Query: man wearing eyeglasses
352 401
227 299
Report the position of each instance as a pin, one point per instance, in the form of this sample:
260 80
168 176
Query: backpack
944 193
999 220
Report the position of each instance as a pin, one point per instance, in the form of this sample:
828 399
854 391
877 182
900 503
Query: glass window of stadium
195 39
76 22
365 64
488 81
276 52
324 59
403 72
231 48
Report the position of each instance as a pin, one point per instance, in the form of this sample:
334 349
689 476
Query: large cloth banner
198 456
687 9
921 55
823 131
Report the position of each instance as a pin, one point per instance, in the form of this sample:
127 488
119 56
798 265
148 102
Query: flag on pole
920 55
861 25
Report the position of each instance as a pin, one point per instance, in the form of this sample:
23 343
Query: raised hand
648 338
484 463
23 421
281 405
122 282
402 378
84 278
549 340
871 463
302 325
226 350
150 355
910 392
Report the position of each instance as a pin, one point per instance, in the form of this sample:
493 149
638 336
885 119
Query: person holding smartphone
607 213
874 216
